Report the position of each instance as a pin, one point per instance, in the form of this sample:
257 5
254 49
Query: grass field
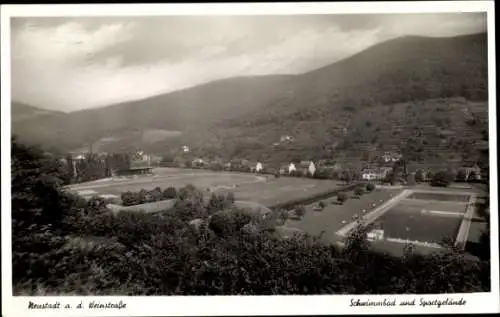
264 189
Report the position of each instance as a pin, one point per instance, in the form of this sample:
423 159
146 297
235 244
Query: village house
77 157
140 160
246 166
140 165
311 169
258 167
283 169
286 138
198 163
472 169
307 168
74 159
374 174
234 165
291 168
391 157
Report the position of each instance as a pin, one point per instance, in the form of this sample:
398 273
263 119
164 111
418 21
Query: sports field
422 221
264 189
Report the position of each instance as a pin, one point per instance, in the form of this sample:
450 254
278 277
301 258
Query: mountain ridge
243 77
259 108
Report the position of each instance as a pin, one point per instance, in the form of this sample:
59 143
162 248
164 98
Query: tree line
94 166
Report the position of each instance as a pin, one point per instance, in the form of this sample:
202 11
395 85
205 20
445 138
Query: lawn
201 180
333 217
283 189
264 189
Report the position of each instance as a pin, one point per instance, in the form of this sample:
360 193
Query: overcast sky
75 63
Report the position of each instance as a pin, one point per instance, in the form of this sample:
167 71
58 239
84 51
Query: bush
283 217
472 177
341 198
216 203
230 198
429 175
226 223
442 179
461 176
419 176
410 180
130 199
359 191
321 204
370 187
170 193
300 211
186 191
143 196
155 195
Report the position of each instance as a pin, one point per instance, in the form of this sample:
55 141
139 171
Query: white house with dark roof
473 169
374 174
258 167
391 157
311 169
198 162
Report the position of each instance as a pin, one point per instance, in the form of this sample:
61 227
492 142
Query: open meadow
264 189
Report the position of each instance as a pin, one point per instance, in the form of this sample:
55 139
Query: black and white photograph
248 153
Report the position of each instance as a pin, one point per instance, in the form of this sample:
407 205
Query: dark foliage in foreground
62 244
442 179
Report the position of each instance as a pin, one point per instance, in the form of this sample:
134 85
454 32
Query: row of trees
144 196
216 202
63 244
95 166
441 178
347 175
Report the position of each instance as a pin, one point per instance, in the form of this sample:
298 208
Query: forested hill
244 116
375 100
